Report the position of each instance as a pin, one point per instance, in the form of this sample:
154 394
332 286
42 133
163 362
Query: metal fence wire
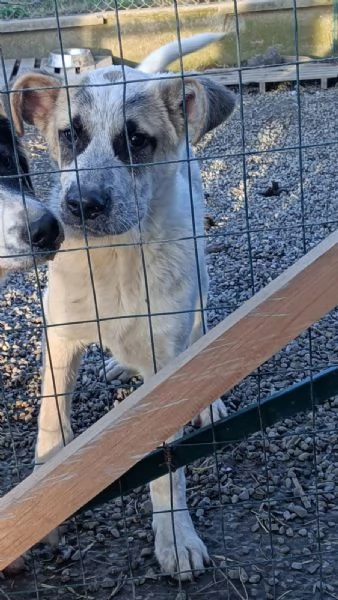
12 9
264 497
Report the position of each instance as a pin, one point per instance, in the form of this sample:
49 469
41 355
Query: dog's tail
164 56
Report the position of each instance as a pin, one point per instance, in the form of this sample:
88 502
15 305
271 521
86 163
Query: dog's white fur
168 250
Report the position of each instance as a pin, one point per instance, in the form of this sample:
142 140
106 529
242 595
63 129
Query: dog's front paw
183 555
219 411
114 370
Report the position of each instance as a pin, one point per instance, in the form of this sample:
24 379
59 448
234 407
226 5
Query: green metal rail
303 396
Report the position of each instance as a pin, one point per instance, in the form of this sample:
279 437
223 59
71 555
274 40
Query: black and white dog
27 228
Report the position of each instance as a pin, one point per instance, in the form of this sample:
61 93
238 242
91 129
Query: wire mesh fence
12 9
265 506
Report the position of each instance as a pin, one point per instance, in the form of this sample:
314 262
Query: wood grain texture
307 71
261 75
214 364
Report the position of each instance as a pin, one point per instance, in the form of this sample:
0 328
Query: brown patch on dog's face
200 103
33 100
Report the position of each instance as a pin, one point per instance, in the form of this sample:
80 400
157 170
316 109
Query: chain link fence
10 9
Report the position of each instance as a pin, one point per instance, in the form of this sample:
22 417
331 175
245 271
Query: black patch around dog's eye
13 163
138 141
6 135
141 146
8 167
68 135
7 164
76 133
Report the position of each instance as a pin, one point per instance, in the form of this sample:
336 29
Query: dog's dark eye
133 146
67 135
73 144
138 141
7 163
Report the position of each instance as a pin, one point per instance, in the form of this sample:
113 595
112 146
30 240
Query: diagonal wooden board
214 364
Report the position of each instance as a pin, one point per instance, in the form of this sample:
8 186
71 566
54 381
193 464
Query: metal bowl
74 58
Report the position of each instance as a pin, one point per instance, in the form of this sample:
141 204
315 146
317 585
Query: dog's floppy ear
207 104
33 98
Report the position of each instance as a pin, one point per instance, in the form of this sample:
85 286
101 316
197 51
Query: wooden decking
306 71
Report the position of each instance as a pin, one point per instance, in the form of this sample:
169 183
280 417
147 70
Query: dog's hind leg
217 410
61 363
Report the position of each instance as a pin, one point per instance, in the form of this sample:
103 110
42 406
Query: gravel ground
267 507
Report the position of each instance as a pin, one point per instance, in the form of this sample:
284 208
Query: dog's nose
92 201
45 231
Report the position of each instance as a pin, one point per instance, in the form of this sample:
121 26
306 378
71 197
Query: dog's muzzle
91 202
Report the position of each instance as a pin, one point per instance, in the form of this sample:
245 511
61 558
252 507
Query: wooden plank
307 71
37 24
9 66
260 75
213 365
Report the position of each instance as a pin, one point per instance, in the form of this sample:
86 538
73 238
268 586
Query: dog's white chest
101 284
108 296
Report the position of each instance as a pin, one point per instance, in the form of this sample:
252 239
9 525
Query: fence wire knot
169 461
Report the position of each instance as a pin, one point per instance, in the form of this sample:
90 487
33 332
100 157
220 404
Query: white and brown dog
28 229
131 191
